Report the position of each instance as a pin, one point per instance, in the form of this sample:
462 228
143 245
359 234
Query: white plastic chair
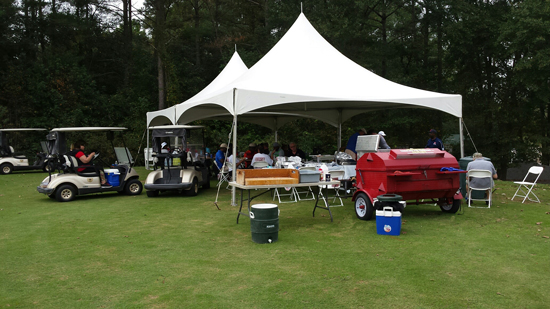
535 170
334 176
479 174
260 164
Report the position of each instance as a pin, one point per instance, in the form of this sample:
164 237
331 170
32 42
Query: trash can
264 223
463 164
389 200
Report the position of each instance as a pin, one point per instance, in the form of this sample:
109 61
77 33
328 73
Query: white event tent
303 75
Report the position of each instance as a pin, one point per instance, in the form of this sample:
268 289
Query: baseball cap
163 144
382 133
252 145
276 144
223 145
363 129
433 131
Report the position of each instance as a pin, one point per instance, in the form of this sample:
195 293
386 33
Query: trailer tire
363 207
451 207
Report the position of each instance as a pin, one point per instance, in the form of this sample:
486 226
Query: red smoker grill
414 174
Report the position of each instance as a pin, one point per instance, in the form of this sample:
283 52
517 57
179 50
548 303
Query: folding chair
481 174
535 170
334 176
223 176
307 190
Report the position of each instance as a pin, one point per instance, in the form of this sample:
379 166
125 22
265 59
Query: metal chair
480 174
535 170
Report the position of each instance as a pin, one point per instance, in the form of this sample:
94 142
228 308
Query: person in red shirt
84 160
249 154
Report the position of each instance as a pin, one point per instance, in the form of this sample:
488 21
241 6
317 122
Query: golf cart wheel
133 187
152 193
363 207
6 168
65 193
194 190
450 207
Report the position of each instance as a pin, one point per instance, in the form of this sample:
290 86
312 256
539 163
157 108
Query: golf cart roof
77 129
22 129
177 126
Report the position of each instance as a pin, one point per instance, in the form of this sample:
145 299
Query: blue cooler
388 222
113 177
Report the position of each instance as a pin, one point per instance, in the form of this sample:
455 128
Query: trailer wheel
363 207
450 207
6 168
152 193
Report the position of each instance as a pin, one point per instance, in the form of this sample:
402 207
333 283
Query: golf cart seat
17 156
72 166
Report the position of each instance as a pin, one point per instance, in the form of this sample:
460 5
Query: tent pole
461 137
339 142
148 154
234 172
276 128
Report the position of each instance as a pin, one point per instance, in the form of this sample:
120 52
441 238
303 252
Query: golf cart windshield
4 140
57 141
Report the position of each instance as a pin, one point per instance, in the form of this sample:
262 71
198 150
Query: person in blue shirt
434 141
220 155
352 143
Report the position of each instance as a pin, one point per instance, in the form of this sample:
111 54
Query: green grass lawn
116 251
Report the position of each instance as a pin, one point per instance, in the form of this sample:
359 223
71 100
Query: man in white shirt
262 156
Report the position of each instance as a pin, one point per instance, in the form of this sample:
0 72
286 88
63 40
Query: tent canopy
304 75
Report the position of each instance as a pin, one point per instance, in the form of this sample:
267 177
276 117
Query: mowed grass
116 251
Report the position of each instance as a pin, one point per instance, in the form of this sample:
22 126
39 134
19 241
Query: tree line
100 62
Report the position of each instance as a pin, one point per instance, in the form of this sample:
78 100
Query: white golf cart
70 182
182 169
11 161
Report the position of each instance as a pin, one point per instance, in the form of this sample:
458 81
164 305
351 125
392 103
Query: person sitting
220 156
294 151
479 163
352 143
434 141
84 161
249 154
229 161
263 155
276 152
381 142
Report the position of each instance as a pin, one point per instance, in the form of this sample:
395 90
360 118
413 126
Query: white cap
382 133
163 144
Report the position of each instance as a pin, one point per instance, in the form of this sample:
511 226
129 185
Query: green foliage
82 63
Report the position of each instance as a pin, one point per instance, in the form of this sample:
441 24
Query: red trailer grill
414 174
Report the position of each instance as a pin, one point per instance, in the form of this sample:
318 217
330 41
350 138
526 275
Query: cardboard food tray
268 176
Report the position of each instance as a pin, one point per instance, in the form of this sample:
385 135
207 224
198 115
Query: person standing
220 155
352 143
434 141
